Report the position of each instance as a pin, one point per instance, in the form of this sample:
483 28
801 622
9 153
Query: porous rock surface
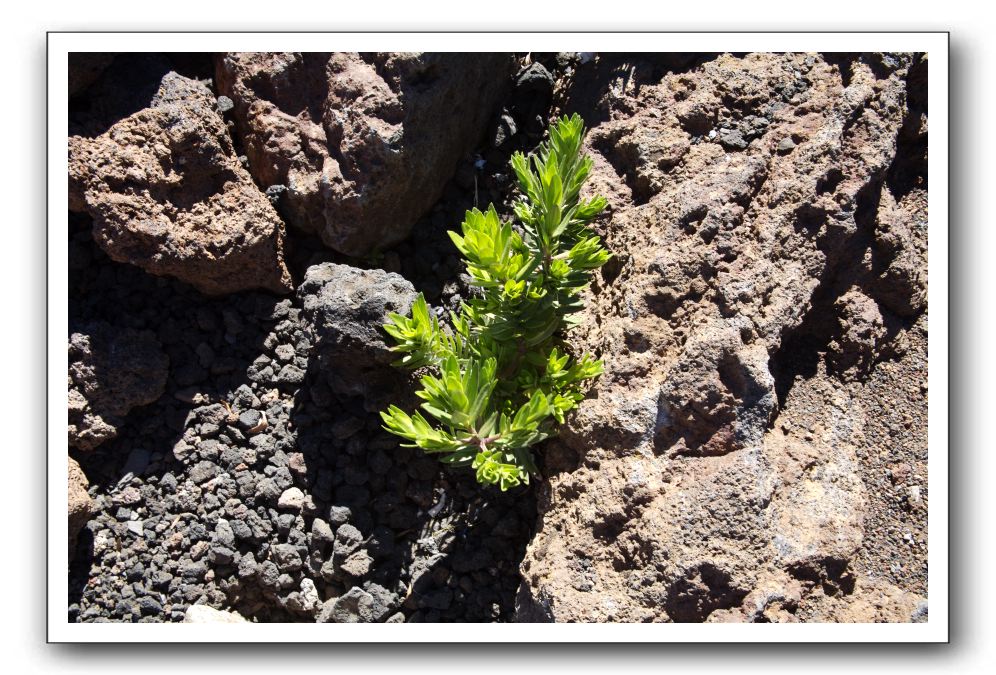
111 371
762 323
167 193
361 145
80 504
346 309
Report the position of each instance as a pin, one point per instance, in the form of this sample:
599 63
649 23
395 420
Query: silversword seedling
499 378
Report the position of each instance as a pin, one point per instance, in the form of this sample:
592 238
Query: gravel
318 516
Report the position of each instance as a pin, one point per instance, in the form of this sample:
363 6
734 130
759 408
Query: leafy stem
499 379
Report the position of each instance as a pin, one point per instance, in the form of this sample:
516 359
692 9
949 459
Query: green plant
499 378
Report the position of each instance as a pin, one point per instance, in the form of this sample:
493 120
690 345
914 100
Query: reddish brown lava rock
764 245
167 193
363 143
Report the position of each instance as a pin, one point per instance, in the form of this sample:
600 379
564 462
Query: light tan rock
80 504
205 614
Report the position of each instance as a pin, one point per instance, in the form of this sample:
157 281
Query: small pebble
291 499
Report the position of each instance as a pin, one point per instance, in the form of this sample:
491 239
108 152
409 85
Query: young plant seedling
499 379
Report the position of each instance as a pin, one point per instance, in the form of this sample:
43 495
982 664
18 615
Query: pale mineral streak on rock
819 514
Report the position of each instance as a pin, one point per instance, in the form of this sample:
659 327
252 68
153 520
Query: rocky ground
240 224
757 449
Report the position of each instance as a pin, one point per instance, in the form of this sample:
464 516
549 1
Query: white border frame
936 44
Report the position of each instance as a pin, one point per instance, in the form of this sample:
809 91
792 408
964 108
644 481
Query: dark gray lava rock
321 533
347 540
384 601
346 308
355 606
111 371
286 557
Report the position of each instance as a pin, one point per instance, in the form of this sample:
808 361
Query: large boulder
363 144
167 193
80 506
111 371
718 469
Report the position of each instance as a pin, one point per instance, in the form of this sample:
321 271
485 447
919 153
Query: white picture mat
935 44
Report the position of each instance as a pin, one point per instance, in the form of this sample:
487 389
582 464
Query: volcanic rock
167 193
80 504
715 472
111 371
364 143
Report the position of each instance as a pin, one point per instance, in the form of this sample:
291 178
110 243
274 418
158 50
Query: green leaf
497 380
